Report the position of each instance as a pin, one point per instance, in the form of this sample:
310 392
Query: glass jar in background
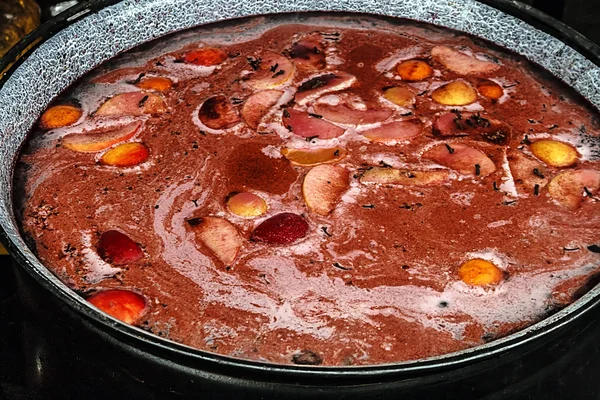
17 19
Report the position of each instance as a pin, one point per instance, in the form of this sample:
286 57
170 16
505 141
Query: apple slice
124 305
281 229
414 70
394 131
346 115
100 139
404 177
464 159
312 157
156 83
126 155
490 89
218 113
457 93
132 104
219 235
527 172
310 126
569 187
60 116
462 63
257 106
117 248
246 205
323 186
271 71
555 153
400 96
308 53
474 125
479 272
206 57
326 83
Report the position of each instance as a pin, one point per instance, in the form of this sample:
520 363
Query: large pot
135 363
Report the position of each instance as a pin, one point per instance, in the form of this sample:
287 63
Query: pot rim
168 349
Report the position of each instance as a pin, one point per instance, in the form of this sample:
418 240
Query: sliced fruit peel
462 63
462 158
116 248
124 305
479 272
272 71
571 186
404 177
527 172
257 106
343 114
132 104
60 116
394 131
217 112
323 186
219 235
308 53
312 157
555 153
321 84
307 126
281 229
98 140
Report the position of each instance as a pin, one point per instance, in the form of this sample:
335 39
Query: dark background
574 376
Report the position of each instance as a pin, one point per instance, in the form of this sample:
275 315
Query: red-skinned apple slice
257 105
132 104
219 235
343 114
394 131
305 125
569 187
462 158
281 229
460 62
123 305
527 172
218 113
326 83
273 71
476 126
117 248
308 53
100 139
405 177
323 186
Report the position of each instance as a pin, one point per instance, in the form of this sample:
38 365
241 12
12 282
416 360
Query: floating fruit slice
310 126
132 104
123 305
323 186
100 139
527 172
219 235
319 85
271 72
157 83
247 205
555 153
414 70
206 57
476 126
308 53
60 116
464 159
478 272
460 62
400 96
457 93
117 248
490 89
218 113
394 131
126 155
284 228
257 105
405 177
569 187
311 157
343 114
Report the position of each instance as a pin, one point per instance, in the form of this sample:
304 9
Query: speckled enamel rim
78 48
